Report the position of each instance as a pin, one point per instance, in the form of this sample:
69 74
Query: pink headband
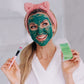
29 7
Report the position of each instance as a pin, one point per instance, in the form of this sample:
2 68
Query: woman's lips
41 37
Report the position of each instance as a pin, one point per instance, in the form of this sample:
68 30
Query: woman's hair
27 53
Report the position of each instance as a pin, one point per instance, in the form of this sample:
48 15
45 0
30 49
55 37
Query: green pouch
67 54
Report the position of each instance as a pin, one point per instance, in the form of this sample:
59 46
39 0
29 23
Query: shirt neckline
45 70
52 70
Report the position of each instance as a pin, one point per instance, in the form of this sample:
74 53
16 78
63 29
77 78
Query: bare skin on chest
45 62
45 54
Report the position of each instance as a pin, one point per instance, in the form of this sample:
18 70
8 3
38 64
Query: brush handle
12 62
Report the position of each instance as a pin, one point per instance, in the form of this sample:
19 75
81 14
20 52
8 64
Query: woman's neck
43 52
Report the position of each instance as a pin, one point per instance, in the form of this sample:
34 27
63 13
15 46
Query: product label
67 54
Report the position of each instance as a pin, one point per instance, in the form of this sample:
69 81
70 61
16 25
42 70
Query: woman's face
40 28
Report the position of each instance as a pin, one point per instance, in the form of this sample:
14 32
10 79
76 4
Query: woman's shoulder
60 41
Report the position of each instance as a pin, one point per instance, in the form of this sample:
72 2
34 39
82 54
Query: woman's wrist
15 83
68 79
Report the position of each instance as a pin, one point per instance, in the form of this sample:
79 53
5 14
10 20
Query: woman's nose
39 31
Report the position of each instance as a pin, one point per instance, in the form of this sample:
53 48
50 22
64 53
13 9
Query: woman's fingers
10 59
62 56
77 60
4 69
76 57
7 63
74 52
16 65
6 66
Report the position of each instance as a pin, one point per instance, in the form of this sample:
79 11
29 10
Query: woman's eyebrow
43 21
32 23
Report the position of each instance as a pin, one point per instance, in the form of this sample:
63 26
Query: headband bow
29 7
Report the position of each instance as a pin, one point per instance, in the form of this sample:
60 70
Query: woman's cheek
49 31
33 34
46 30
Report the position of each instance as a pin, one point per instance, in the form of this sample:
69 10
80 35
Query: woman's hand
69 66
13 74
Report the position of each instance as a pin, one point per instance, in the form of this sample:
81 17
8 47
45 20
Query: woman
40 55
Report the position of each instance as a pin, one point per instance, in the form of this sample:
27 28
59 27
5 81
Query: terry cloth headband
29 7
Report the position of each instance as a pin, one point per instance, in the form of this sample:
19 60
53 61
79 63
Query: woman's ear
53 28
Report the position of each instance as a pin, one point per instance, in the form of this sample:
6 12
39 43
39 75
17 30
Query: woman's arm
13 74
14 83
68 79
69 66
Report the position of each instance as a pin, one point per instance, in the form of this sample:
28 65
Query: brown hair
27 53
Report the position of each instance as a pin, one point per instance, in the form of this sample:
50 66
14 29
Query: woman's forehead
39 13
38 17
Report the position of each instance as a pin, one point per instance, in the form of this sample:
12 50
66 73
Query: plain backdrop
69 14
74 24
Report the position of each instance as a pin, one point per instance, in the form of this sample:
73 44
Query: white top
53 73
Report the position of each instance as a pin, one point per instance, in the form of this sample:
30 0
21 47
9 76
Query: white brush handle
12 62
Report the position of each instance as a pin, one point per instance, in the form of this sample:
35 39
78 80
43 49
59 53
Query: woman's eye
45 24
33 27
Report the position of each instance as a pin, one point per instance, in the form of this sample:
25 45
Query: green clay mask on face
41 35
